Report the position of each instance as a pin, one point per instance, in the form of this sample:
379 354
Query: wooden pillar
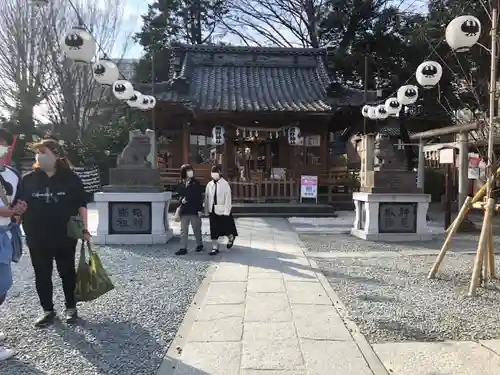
324 143
185 142
463 165
225 157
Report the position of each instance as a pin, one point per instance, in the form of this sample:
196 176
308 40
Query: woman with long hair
191 208
54 193
218 205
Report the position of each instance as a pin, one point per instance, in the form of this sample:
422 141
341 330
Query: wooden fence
264 191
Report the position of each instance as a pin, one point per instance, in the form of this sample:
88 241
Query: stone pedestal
390 217
133 218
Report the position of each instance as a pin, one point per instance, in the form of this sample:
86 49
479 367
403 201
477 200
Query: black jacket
193 193
51 202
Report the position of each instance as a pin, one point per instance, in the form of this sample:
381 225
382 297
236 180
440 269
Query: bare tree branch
285 23
78 97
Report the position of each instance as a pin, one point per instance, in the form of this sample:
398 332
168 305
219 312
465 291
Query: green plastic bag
75 227
92 281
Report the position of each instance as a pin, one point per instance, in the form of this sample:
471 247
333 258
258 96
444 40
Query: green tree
169 21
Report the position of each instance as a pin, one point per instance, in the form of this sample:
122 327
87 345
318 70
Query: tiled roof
249 79
342 96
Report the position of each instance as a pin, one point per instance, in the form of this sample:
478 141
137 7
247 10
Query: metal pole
493 83
366 91
153 87
421 165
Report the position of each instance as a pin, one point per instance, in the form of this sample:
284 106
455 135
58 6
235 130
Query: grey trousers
195 222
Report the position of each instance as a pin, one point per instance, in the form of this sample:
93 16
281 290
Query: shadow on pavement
113 347
16 366
268 259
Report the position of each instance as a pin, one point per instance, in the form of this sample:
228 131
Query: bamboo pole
481 248
477 197
491 253
447 242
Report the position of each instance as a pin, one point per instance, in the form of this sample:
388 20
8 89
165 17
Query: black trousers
42 258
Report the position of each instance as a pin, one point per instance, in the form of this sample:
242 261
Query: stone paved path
266 312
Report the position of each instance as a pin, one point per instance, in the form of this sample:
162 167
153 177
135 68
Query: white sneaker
6 353
3 336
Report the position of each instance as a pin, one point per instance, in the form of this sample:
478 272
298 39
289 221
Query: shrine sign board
397 218
309 187
130 218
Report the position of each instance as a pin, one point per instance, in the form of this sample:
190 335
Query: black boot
71 316
46 319
199 248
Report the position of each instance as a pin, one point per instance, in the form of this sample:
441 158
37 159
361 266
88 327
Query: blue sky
132 21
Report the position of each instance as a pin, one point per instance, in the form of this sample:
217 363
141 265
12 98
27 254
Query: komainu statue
135 153
386 154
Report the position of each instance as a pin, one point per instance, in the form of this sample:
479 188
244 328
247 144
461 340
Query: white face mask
189 174
3 151
215 176
46 161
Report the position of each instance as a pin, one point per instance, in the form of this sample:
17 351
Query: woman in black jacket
191 209
53 193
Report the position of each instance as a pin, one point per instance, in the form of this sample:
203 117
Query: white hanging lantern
407 94
152 101
392 106
428 74
293 136
143 104
381 112
218 135
79 45
372 114
462 33
136 100
123 90
364 110
105 72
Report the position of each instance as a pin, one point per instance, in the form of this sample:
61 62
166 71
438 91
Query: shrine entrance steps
283 210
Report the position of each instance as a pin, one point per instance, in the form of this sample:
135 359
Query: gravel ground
347 243
391 299
125 332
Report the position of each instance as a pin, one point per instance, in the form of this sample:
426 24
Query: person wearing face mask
53 193
218 205
191 209
9 229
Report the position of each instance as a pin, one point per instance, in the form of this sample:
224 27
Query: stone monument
133 208
389 205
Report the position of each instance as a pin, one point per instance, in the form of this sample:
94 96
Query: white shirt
12 178
224 202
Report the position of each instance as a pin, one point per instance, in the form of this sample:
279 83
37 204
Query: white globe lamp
372 113
462 33
79 45
123 90
428 74
381 112
407 94
136 100
105 72
392 106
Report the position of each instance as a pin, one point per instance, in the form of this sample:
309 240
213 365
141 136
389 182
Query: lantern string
87 29
433 48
